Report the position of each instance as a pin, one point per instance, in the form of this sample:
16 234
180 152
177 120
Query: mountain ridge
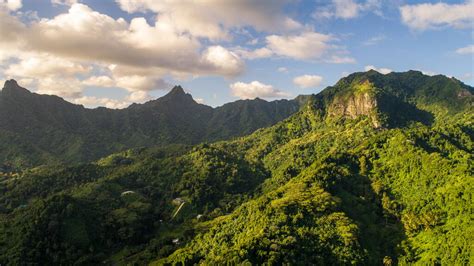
84 134
48 129
316 188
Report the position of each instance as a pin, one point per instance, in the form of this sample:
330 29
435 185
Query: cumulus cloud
466 50
255 89
308 81
222 61
132 83
141 83
308 45
429 16
39 66
85 34
380 70
139 96
11 4
59 54
48 74
214 18
65 87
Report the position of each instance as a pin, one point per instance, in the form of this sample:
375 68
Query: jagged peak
10 83
176 95
11 87
176 90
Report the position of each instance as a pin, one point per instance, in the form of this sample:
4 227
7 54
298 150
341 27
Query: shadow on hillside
381 231
401 113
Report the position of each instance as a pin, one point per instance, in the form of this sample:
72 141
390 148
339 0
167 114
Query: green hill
376 169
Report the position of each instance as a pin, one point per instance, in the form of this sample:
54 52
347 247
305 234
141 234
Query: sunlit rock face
359 101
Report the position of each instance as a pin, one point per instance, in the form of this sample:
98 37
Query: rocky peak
177 94
177 90
11 88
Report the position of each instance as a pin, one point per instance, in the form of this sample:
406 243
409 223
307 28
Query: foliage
312 189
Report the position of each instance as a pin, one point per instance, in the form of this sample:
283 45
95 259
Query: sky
116 52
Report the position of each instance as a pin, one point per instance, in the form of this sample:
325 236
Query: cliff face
361 100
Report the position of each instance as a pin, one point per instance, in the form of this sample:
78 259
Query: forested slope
44 129
374 170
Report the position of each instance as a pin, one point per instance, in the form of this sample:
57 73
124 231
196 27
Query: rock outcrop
359 101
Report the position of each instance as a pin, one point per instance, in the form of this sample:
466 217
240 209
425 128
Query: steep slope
326 186
37 129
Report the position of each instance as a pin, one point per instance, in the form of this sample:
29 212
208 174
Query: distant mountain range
37 129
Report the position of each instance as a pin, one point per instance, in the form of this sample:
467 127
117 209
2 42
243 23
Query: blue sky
112 53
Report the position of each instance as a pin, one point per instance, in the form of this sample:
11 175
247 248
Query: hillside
43 129
376 169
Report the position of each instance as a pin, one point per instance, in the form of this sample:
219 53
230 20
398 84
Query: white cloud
48 74
140 83
138 96
84 34
200 100
64 2
11 4
335 59
429 73
132 83
380 70
308 81
308 45
429 16
253 41
263 52
65 87
100 81
39 66
374 40
222 61
347 9
92 101
214 18
26 82
255 89
466 50
55 54
282 70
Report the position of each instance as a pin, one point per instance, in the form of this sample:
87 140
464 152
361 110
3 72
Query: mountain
376 169
38 129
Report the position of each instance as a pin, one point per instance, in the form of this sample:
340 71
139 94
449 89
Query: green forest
375 170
